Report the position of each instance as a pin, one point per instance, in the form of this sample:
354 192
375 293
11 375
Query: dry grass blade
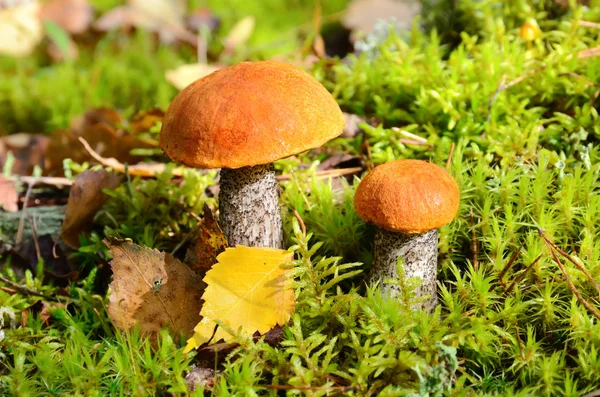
509 264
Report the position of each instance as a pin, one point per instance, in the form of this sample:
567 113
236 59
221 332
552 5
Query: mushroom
408 200
241 119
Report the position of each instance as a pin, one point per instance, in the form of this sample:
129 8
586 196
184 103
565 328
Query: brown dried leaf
101 128
152 289
74 16
86 198
9 197
144 121
164 17
207 245
28 150
43 309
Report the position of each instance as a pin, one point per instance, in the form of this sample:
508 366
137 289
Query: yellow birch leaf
247 288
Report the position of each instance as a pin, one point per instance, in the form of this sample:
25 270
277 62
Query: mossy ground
523 120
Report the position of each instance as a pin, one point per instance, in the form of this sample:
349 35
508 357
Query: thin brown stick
45 180
522 275
494 97
519 342
509 264
301 222
326 174
570 258
21 228
26 291
588 24
584 302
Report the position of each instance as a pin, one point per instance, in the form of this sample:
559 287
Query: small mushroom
241 119
408 200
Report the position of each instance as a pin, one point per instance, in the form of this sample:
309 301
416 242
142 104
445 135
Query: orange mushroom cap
249 114
407 196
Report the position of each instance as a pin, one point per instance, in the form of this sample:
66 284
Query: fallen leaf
144 121
85 200
142 169
74 16
165 17
152 289
351 128
103 130
207 244
20 29
247 288
43 309
28 151
184 75
9 197
240 33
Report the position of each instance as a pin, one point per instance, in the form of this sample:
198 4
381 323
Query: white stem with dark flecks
419 253
249 207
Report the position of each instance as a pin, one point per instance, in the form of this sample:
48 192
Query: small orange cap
407 196
249 114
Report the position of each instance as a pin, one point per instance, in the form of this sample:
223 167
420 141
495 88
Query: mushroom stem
249 208
419 254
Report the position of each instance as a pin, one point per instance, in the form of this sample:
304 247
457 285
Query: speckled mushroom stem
419 253
249 207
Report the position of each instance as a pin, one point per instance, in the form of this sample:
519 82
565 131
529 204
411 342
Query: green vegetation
522 119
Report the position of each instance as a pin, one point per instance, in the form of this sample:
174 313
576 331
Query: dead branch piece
301 222
522 275
584 302
45 180
570 258
326 174
509 264
588 24
26 291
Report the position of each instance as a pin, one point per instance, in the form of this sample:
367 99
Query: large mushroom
408 200
241 119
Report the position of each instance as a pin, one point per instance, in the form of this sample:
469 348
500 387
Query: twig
495 97
26 291
571 74
584 302
46 180
21 228
520 344
570 258
509 264
522 275
301 222
36 242
326 174
588 24
411 136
